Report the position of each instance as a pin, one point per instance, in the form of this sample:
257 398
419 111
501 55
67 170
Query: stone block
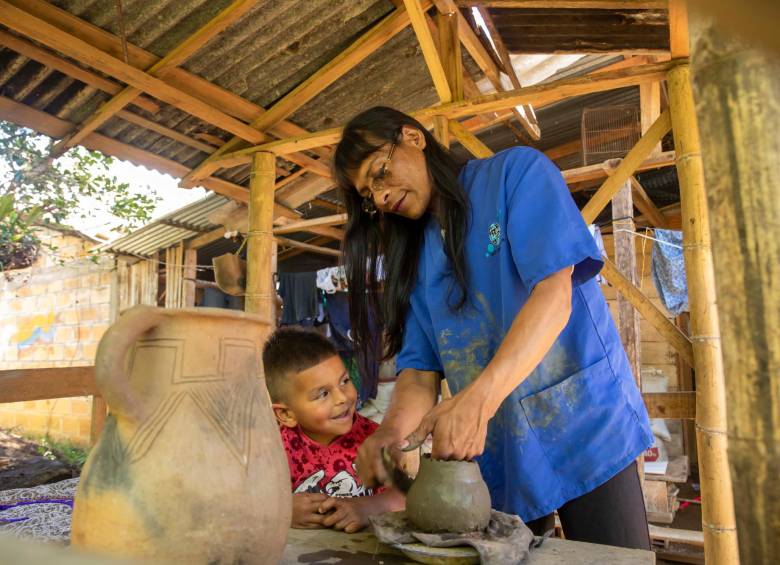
70 316
24 291
66 299
65 334
88 351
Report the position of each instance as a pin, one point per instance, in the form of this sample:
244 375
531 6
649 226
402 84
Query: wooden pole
625 259
628 319
738 94
718 522
441 130
260 295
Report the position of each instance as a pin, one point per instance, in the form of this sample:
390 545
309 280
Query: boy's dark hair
290 350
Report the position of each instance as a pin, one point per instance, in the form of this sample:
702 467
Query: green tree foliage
36 190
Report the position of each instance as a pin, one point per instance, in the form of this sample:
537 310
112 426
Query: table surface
332 547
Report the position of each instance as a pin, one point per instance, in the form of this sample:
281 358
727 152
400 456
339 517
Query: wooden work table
332 548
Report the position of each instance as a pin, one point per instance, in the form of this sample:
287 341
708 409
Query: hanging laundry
595 231
668 270
299 293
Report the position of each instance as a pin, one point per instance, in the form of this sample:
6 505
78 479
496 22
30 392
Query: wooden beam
441 130
599 171
679 43
649 311
206 238
167 132
471 42
52 126
670 405
295 251
646 206
277 147
173 59
308 247
44 57
306 225
449 51
345 61
570 4
19 385
54 38
549 92
628 320
428 46
141 59
328 205
260 294
526 115
539 95
627 167
469 141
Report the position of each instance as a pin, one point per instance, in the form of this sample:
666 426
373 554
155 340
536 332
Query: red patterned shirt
329 469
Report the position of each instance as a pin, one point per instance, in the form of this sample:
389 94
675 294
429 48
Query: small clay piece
448 496
190 466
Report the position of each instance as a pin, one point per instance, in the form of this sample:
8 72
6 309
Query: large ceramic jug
190 466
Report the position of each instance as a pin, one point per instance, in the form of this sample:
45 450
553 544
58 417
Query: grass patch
62 450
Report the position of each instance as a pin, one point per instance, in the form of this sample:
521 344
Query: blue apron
578 419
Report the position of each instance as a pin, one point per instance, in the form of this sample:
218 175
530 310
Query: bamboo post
260 295
718 523
737 91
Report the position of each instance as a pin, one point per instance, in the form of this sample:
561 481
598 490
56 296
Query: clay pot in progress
190 466
448 496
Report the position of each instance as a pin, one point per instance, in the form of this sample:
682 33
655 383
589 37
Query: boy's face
321 400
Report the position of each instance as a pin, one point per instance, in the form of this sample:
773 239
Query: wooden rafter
429 50
372 40
295 251
469 141
526 116
173 59
540 94
598 171
306 225
183 80
471 42
54 38
308 247
166 131
52 126
32 51
627 167
581 4
645 205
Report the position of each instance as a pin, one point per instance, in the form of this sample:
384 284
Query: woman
489 283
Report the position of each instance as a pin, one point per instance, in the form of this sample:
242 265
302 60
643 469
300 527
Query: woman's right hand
370 467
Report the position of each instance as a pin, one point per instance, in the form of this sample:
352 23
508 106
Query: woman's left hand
458 424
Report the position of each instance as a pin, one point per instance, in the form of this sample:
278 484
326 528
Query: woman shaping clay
489 282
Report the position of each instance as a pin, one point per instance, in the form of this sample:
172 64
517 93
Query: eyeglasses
378 182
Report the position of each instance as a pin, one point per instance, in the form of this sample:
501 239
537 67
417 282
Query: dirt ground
23 463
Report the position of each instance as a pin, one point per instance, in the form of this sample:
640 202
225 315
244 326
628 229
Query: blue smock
578 418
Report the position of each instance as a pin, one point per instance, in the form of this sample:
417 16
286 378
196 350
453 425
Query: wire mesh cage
609 132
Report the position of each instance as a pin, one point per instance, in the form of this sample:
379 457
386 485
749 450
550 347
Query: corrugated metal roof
170 229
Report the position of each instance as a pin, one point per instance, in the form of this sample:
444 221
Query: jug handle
110 376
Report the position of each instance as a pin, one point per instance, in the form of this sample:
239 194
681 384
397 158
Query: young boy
314 401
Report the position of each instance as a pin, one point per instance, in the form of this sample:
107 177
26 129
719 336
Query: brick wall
53 314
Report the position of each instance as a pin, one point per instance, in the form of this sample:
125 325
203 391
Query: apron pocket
583 423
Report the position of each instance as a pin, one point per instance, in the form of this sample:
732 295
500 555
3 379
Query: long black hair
394 237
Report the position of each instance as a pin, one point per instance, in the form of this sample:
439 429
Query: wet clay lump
448 496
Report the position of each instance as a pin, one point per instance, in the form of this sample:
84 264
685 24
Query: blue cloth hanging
668 270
